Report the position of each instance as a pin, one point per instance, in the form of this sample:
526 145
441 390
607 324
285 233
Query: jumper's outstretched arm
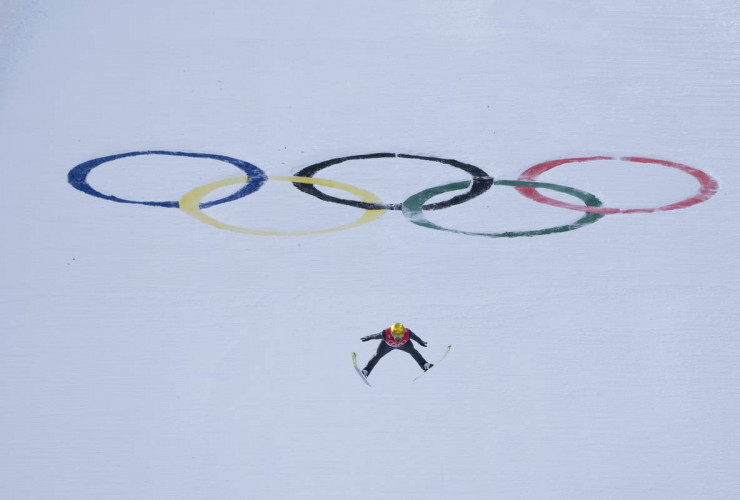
415 337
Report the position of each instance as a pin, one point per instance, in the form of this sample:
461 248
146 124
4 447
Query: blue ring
77 177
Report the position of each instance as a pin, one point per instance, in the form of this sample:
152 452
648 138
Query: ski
447 350
357 369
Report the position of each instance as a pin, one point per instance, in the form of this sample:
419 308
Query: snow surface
146 355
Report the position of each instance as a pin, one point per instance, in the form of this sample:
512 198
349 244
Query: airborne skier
395 337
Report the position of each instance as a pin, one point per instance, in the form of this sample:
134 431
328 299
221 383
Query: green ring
412 208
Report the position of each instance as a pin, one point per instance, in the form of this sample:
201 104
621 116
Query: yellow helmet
397 330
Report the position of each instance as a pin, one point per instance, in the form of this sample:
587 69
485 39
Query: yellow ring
190 204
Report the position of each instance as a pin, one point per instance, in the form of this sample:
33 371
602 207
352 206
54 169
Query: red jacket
391 341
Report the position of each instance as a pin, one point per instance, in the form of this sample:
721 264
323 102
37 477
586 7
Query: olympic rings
190 204
481 181
413 207
708 186
414 211
77 177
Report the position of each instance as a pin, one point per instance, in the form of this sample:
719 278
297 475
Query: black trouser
384 349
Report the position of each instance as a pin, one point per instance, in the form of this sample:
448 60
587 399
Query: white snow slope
147 355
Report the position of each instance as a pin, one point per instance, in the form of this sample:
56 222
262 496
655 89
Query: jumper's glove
365 339
422 343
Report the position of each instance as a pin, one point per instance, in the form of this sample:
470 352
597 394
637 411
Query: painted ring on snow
708 186
77 177
481 183
190 204
413 208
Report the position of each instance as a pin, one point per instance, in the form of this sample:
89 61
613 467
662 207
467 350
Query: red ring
708 186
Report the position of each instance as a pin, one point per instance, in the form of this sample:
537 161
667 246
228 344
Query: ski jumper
389 343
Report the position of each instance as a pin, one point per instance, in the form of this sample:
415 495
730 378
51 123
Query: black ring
482 182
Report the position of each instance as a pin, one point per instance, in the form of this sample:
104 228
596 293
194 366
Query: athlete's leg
383 349
409 348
